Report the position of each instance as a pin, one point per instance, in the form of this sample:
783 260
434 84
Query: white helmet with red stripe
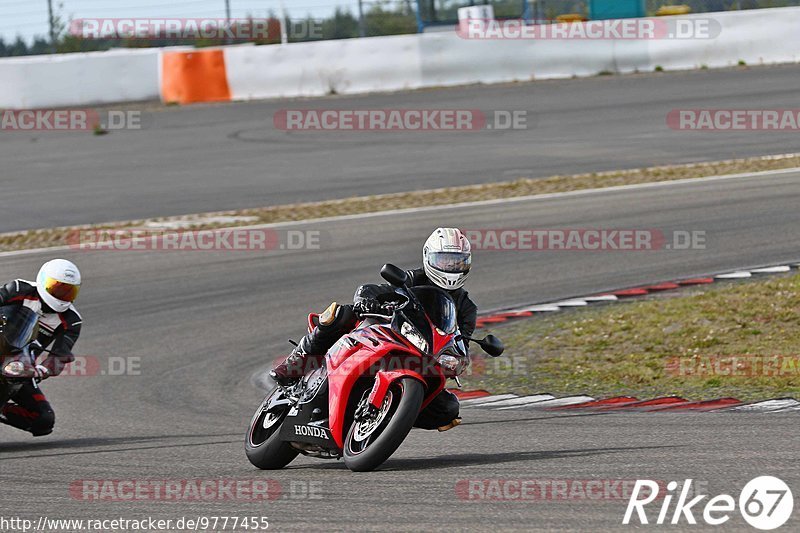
58 284
447 258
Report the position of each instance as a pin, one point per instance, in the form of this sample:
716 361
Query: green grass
668 344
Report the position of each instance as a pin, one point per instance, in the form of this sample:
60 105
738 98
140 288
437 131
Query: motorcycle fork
365 410
294 394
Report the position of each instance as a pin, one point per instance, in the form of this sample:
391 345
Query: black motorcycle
19 328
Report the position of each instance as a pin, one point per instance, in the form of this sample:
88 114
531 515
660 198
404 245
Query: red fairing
382 381
355 354
440 340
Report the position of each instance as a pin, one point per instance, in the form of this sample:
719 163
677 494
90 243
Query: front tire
262 443
370 443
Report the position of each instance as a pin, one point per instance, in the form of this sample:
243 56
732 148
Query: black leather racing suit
31 411
466 308
445 407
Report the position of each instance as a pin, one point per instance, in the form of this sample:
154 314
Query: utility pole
284 18
52 23
227 19
362 27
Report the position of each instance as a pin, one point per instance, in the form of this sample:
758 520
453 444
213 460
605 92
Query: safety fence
382 64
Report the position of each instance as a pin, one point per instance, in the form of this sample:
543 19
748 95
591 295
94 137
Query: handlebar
375 315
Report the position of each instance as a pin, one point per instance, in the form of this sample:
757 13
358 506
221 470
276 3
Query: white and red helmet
447 258
58 284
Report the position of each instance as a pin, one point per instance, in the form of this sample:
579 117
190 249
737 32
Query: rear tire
364 452
262 443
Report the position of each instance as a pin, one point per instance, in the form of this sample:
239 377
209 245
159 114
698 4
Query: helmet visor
451 262
66 292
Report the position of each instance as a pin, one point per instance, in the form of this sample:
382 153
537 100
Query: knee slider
452 407
44 423
336 317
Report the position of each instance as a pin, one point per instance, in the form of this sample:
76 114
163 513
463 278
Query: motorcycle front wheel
262 444
372 440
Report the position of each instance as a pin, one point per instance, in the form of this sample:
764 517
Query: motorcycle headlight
14 369
410 332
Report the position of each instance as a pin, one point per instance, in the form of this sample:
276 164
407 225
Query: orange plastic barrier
194 76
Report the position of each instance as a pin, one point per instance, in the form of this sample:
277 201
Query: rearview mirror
492 345
396 276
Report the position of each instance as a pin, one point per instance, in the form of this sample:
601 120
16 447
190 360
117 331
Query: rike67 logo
765 503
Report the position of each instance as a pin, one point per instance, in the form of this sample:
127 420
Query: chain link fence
447 10
550 9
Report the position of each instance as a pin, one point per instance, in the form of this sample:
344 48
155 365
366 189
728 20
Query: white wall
319 68
759 36
79 79
352 66
448 59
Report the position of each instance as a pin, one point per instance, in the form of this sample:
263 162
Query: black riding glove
370 306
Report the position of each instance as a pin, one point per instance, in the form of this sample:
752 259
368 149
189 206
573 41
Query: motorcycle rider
51 296
446 262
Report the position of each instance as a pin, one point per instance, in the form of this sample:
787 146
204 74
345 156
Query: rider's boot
441 413
451 425
294 367
309 354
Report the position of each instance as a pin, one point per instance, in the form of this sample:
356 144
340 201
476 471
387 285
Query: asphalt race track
198 159
205 323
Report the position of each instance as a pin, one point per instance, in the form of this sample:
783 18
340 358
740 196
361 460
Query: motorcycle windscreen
439 306
18 327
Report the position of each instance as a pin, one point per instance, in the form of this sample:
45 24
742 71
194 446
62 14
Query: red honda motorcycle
376 380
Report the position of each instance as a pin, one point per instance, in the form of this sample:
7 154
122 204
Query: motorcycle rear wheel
370 443
262 443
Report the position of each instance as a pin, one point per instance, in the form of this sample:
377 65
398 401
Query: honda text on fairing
364 400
